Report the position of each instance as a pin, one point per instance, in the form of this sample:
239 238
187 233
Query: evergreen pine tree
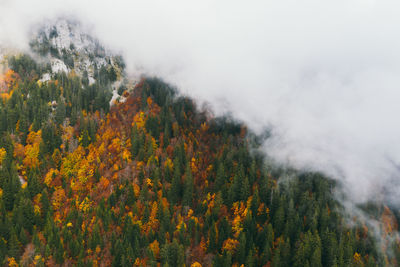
188 187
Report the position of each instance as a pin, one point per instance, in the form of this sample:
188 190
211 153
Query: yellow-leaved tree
31 159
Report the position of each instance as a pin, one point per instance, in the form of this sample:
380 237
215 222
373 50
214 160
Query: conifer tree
188 187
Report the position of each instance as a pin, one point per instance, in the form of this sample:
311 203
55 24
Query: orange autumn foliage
19 150
230 245
58 198
155 248
8 81
50 176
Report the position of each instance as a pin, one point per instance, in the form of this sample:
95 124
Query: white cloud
324 74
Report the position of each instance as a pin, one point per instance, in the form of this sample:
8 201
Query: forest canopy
152 181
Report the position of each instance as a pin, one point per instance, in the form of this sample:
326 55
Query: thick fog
323 75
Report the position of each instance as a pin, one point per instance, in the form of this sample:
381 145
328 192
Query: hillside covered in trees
154 181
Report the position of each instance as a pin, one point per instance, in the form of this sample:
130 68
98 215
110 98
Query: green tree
188 187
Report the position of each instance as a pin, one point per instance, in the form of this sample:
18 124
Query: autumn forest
152 180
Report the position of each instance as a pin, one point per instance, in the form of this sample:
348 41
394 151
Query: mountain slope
152 181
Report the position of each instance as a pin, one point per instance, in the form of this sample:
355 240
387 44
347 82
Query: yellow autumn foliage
139 120
12 262
49 176
230 244
3 155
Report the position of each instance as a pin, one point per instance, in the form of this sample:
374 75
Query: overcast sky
323 74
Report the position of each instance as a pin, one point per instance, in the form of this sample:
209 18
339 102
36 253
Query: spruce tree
188 187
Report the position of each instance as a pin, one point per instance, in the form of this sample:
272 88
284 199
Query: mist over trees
153 180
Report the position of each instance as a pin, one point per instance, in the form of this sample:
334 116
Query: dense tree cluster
153 181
